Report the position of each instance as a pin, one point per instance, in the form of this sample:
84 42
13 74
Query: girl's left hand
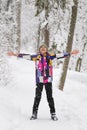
74 52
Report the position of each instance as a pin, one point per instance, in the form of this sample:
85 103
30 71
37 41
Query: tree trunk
78 64
18 28
38 38
80 59
46 31
69 44
46 35
43 5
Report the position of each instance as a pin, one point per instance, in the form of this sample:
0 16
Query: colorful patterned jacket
43 65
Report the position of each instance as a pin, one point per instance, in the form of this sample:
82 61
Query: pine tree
46 6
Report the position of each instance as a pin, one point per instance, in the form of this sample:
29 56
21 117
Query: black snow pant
39 88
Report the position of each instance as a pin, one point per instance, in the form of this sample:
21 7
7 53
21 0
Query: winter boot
54 117
34 116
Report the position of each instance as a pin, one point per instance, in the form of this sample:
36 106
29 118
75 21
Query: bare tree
69 44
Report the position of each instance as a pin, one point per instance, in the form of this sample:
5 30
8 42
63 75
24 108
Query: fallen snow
16 100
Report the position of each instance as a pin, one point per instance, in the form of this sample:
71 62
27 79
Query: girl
44 77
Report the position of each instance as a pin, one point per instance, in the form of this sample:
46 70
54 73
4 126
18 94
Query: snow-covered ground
17 98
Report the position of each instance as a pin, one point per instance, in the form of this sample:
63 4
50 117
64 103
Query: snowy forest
24 26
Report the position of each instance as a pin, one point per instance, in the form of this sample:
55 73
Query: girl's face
43 50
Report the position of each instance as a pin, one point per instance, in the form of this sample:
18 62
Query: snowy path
16 101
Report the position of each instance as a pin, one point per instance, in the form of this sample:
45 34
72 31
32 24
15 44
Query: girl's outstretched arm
20 55
66 54
23 55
